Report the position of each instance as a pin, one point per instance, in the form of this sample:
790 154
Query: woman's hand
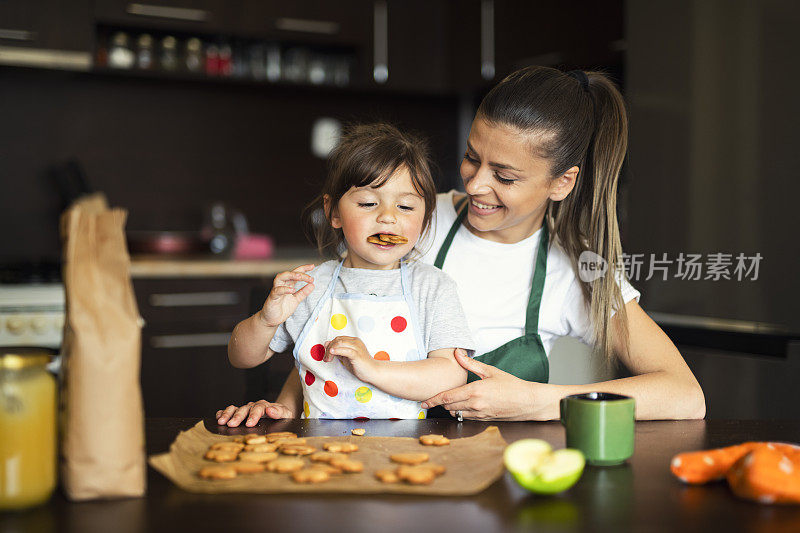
283 299
232 416
497 396
354 356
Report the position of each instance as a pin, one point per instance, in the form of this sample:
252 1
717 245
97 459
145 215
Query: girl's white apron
387 325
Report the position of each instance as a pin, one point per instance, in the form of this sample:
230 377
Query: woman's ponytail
582 116
604 158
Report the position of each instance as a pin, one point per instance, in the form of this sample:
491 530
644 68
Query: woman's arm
663 386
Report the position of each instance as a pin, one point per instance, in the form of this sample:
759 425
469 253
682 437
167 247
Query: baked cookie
310 475
272 437
282 441
325 467
244 467
257 457
254 438
238 438
217 472
227 446
358 431
221 456
409 458
347 465
387 475
297 449
263 447
284 465
386 238
327 457
342 447
434 440
416 475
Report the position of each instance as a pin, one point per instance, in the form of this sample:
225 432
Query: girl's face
395 208
508 186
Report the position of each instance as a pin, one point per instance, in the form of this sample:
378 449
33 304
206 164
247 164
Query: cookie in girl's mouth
386 238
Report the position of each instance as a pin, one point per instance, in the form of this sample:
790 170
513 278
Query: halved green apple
538 468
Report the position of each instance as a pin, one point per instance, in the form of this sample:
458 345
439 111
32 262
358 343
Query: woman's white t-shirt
494 283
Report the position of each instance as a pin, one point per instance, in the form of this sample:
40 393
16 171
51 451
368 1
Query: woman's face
508 186
394 208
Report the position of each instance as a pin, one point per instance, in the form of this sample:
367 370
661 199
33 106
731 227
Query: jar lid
18 357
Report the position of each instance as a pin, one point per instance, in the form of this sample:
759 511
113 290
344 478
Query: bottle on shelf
194 55
120 55
144 52
169 53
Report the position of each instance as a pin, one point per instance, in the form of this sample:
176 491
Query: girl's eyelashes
470 158
367 205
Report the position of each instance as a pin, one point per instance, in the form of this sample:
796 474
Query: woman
540 172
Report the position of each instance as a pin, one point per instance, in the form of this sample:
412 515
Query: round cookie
347 465
257 457
387 475
285 465
409 458
434 440
297 449
217 472
244 467
310 475
221 456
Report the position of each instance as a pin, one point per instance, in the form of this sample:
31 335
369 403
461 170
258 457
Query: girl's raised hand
283 299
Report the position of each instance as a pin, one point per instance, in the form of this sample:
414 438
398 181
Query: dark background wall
165 149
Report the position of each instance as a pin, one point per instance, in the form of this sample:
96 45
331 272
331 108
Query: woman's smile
483 208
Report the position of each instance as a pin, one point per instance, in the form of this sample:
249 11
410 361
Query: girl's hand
354 356
497 396
253 411
283 299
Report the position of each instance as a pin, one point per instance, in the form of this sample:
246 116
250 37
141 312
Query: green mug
600 424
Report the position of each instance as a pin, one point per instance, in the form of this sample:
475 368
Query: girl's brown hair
583 124
368 155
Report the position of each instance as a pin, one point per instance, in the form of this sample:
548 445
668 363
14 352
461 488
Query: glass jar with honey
27 428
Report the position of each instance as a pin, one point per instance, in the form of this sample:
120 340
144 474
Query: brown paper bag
103 426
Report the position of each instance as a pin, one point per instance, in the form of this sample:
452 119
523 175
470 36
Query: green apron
524 356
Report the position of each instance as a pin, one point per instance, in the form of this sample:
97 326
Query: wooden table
641 495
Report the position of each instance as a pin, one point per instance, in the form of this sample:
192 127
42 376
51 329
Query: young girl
373 334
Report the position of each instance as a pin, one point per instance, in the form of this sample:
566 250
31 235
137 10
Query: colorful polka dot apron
389 328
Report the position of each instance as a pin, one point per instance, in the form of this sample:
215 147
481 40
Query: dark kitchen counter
641 495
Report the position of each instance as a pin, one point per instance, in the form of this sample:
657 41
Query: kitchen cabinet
344 23
490 39
203 16
185 369
50 24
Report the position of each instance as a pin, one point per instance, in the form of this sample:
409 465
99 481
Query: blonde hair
583 123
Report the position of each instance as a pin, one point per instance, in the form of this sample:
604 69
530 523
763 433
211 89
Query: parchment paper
473 463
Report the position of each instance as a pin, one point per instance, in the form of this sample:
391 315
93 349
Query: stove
31 305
